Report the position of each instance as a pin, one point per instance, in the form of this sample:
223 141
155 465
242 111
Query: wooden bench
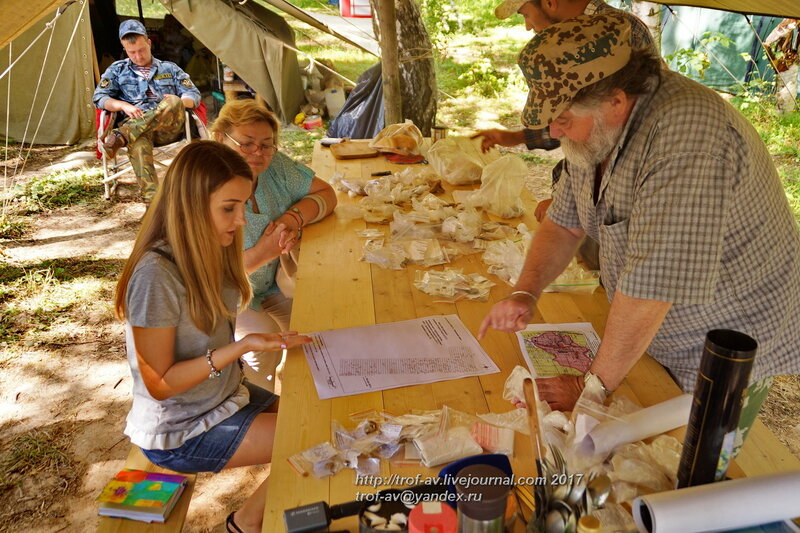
177 517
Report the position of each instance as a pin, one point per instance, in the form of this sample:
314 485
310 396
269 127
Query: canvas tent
247 37
684 28
66 80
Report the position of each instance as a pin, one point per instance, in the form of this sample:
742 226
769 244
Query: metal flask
723 376
482 495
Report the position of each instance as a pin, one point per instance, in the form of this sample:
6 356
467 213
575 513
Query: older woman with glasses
286 197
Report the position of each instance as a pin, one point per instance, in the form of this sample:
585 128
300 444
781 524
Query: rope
55 79
6 183
33 100
769 57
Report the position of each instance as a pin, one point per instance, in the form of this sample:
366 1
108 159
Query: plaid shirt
691 211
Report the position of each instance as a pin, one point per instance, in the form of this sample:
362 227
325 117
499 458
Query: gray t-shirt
156 298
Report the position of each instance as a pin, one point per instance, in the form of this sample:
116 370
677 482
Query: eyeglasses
251 148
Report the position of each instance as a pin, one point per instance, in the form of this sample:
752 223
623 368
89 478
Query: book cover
141 495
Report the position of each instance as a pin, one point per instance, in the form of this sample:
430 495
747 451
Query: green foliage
483 77
12 227
689 61
441 20
58 189
152 9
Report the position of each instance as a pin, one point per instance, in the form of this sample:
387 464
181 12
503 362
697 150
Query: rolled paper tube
634 427
720 506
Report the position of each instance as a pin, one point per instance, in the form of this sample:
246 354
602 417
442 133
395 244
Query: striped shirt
691 211
144 72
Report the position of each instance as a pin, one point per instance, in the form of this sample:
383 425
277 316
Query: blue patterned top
283 184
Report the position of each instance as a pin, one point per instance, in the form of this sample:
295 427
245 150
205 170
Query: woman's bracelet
214 372
294 213
299 213
322 207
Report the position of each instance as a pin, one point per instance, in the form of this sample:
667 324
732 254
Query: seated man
153 95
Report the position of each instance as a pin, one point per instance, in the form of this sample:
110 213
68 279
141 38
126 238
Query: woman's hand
273 241
273 342
293 231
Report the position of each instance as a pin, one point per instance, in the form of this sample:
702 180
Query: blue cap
131 26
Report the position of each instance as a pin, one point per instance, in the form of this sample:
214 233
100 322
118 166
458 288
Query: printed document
397 354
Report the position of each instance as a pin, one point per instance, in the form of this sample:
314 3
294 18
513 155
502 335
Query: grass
47 192
58 189
56 299
38 456
781 134
299 143
32 452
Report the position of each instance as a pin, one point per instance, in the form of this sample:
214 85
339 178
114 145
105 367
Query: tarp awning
775 8
252 45
19 15
356 31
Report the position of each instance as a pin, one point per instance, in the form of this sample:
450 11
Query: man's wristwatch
590 375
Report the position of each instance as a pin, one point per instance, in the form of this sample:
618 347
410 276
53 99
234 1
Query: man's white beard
593 151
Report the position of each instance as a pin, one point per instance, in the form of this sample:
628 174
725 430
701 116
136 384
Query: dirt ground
74 390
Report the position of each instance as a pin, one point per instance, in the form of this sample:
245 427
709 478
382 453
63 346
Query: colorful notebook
140 495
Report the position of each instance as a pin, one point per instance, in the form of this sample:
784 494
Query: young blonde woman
179 291
286 198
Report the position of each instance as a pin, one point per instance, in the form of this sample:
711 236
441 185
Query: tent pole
390 69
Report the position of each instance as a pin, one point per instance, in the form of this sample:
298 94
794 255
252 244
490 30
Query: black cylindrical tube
723 376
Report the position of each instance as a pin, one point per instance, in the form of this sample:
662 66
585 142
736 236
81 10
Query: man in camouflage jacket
152 94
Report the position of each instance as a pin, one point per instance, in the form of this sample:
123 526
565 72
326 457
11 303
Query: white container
334 100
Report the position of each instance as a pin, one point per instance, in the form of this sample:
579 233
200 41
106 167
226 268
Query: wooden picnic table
337 290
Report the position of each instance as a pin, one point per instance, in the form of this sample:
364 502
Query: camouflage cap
562 59
131 26
508 8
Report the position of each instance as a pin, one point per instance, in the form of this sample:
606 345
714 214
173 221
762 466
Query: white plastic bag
459 159
403 139
501 185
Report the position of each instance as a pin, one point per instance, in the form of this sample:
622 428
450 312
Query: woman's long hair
180 215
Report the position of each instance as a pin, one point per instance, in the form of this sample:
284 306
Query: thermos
710 436
483 493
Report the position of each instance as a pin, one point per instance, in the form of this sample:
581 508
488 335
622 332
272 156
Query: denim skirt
211 451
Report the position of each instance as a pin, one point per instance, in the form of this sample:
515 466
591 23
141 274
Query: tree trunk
390 67
650 14
417 74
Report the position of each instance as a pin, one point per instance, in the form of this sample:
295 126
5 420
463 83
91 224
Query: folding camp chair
120 165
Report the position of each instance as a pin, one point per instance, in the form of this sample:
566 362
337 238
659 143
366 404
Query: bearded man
681 194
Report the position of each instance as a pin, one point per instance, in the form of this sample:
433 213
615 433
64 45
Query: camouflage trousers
159 126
